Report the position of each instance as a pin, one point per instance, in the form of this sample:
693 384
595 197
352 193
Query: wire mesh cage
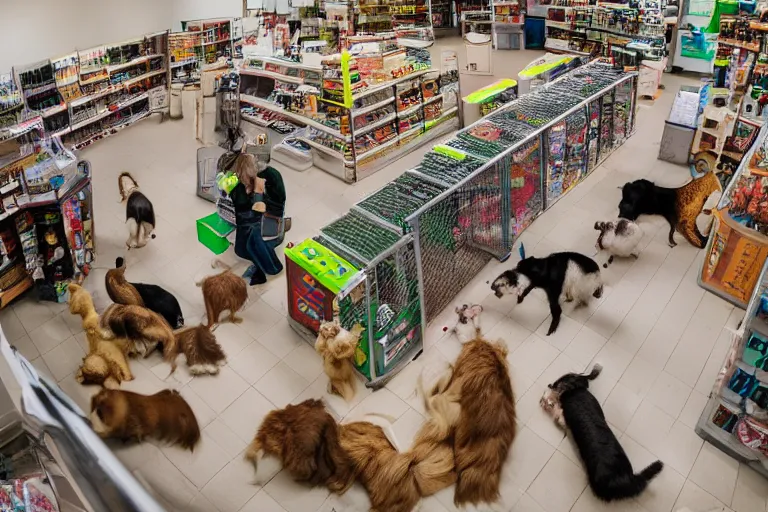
386 302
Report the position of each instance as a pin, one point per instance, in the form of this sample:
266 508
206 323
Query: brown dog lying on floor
198 344
119 289
124 415
337 347
222 292
144 330
305 438
105 363
486 424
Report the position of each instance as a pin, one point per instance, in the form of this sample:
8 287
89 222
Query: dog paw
520 299
551 330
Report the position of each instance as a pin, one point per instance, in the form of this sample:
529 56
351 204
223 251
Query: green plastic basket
212 232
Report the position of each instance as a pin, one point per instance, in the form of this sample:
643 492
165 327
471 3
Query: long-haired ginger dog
105 363
130 416
223 292
486 424
397 481
199 346
144 330
337 347
150 296
305 438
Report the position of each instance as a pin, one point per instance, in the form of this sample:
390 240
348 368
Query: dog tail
629 486
202 351
254 453
596 369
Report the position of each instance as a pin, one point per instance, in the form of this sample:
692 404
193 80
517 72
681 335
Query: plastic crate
212 232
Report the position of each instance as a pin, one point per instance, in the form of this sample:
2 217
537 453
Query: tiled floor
659 336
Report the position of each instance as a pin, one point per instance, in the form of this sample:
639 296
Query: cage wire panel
387 302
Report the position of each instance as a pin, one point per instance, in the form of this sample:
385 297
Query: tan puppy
143 328
105 363
337 346
198 344
222 292
305 438
130 416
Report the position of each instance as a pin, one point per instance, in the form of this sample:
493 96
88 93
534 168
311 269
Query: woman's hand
260 185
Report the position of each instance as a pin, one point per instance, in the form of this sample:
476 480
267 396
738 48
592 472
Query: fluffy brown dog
203 352
305 438
130 416
222 292
396 481
337 347
486 425
120 290
143 329
105 363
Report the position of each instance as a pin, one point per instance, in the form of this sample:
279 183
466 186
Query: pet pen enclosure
422 237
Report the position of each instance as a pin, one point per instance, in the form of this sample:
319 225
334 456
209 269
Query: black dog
159 300
643 197
562 273
610 472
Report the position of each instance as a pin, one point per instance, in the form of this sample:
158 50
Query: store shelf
448 113
39 90
91 97
20 129
371 108
108 112
287 63
143 77
411 131
182 63
323 149
370 127
225 40
563 25
380 87
737 44
134 62
107 133
261 103
433 99
61 132
94 79
56 109
377 149
409 110
271 74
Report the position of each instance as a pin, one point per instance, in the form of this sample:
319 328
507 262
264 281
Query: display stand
508 23
738 243
487 99
466 202
545 69
735 418
680 126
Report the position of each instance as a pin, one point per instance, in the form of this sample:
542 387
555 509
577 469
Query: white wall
188 10
33 30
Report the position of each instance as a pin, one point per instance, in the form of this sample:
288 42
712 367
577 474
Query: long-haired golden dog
223 292
144 329
120 290
486 425
396 481
124 415
305 438
337 347
198 344
105 363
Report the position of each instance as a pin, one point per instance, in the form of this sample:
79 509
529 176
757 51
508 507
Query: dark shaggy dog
564 276
139 212
679 206
305 438
610 473
130 416
150 296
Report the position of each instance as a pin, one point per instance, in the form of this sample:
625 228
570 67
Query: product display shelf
215 37
386 120
11 103
185 57
480 21
41 94
442 14
735 418
738 241
115 85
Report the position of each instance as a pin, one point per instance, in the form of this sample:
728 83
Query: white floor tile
715 472
559 484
